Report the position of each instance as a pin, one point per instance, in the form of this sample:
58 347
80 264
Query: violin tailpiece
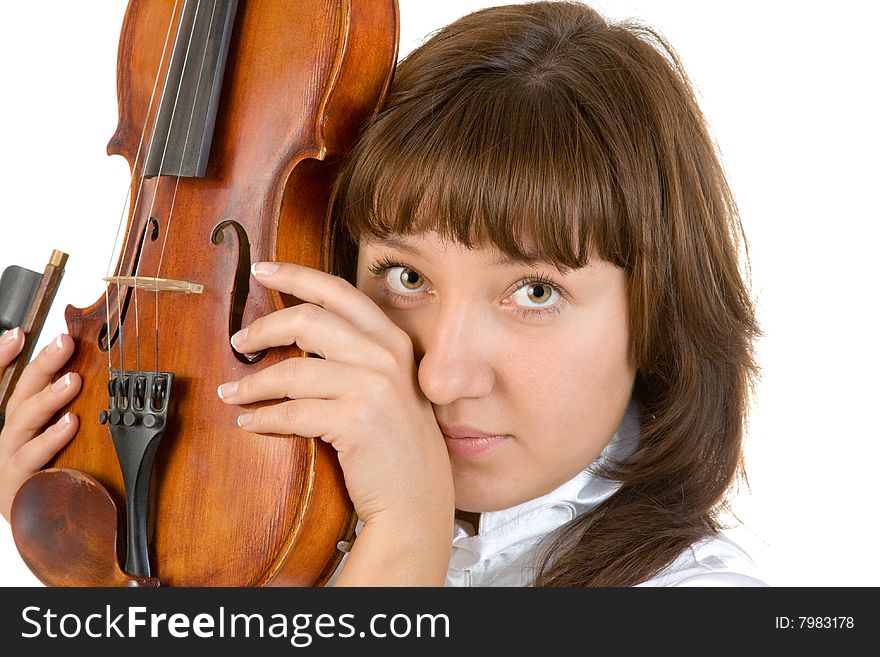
137 417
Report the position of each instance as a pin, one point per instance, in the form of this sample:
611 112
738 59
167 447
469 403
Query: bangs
511 165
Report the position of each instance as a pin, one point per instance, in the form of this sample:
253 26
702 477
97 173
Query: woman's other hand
25 446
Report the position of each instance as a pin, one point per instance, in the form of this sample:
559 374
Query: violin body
226 507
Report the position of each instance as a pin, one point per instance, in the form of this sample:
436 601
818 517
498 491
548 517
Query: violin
234 117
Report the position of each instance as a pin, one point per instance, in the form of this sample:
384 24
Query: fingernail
10 336
244 420
55 345
226 390
63 423
241 336
62 383
264 268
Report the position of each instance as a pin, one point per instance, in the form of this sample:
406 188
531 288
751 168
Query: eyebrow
399 244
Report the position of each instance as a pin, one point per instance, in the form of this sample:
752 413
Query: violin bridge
156 284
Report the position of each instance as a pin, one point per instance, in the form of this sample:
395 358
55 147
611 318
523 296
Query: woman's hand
24 446
362 397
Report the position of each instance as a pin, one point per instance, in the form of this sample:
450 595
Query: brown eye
536 294
410 279
403 280
540 293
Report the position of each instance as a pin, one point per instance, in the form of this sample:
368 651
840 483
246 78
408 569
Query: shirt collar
533 519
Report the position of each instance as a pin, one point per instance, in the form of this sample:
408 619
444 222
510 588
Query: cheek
577 384
602 363
578 361
564 396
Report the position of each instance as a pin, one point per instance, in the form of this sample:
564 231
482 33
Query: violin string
123 214
177 183
159 177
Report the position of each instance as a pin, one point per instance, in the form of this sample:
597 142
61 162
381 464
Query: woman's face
512 350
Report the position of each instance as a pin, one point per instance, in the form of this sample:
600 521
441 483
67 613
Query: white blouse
503 551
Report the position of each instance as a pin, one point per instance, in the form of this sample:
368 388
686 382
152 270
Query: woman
538 370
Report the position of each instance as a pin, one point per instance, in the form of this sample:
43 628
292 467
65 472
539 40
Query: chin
485 496
496 485
481 493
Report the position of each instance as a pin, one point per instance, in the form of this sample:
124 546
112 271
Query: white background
788 89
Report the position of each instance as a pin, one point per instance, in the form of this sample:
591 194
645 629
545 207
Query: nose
453 353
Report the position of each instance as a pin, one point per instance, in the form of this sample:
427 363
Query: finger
34 454
11 343
293 378
32 414
312 329
331 292
41 371
309 418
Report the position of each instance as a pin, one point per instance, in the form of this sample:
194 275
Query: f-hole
102 335
240 286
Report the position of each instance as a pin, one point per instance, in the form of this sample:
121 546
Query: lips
468 442
461 431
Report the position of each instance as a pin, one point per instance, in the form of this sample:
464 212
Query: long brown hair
545 119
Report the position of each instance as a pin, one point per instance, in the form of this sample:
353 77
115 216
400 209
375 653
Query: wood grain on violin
234 118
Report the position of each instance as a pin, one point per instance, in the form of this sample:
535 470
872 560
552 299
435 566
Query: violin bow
33 326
